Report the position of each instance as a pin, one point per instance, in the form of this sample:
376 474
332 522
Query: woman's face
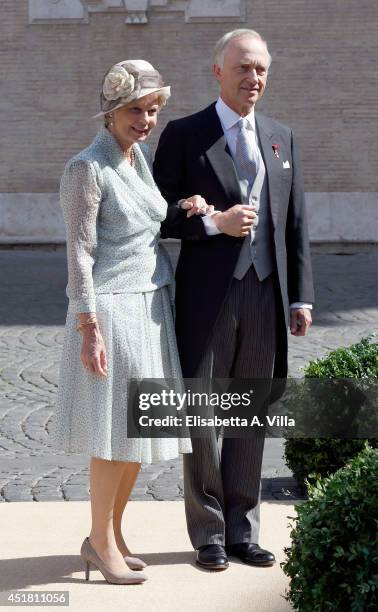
134 122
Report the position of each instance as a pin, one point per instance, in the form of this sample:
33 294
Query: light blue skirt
90 414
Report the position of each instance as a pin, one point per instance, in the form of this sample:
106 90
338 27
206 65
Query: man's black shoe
212 556
251 553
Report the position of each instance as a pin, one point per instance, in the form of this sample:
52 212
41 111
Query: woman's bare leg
125 487
105 478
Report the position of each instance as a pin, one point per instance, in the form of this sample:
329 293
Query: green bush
359 360
311 458
333 560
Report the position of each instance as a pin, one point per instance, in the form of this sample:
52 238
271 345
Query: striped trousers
223 486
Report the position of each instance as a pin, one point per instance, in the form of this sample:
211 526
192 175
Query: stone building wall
322 82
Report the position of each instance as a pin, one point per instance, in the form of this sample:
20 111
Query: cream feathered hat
127 81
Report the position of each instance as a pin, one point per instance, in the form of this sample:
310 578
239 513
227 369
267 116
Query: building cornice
136 12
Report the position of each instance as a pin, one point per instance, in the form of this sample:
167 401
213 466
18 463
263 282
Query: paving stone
32 316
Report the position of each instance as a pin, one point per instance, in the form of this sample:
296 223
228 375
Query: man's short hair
222 43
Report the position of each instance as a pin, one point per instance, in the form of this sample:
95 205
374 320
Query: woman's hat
127 81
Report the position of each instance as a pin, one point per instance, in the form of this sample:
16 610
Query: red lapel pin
275 148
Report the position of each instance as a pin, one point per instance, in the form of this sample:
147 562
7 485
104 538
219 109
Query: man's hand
236 221
196 205
300 321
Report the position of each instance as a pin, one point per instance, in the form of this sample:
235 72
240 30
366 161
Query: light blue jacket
112 212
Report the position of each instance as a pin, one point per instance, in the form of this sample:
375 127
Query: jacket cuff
79 305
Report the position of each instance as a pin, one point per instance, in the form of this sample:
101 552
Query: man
243 275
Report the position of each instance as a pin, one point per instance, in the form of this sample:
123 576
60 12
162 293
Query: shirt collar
229 117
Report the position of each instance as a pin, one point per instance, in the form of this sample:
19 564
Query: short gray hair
222 43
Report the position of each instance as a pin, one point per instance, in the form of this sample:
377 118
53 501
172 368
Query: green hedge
333 560
311 458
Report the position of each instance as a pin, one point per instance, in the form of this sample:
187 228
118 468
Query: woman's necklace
132 156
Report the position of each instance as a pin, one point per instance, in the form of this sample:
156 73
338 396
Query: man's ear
217 71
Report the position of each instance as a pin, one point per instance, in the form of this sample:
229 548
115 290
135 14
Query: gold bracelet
82 327
90 321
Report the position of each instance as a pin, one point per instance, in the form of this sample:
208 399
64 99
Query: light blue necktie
245 155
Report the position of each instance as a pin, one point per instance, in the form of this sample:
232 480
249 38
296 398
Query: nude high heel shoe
89 556
135 563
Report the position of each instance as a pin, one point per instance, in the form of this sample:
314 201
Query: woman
120 290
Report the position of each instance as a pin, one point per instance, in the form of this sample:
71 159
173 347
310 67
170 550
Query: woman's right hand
93 352
196 205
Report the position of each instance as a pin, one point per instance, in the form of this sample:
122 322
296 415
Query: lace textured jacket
112 213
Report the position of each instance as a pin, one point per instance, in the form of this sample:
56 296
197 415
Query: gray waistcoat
258 247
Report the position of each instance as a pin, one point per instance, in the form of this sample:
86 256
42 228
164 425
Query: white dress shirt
229 119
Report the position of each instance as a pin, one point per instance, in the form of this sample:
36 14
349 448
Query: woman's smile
141 132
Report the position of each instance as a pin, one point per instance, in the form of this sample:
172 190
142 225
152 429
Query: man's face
244 74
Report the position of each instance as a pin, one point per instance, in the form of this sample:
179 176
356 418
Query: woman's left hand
196 205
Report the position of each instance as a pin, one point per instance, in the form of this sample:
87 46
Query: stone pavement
32 314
